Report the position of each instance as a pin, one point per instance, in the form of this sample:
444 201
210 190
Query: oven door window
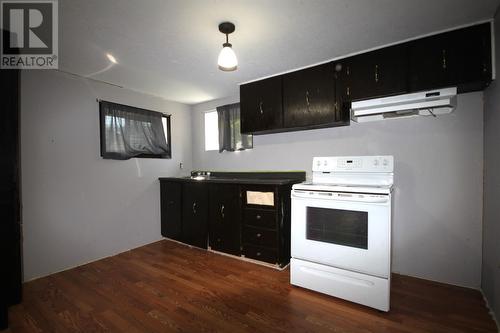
342 227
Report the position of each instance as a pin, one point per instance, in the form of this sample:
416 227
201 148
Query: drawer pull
258 217
258 235
258 254
222 211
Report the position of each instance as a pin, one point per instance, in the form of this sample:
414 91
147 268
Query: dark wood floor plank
169 287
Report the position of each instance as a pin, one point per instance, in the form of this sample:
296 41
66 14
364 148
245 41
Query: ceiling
170 48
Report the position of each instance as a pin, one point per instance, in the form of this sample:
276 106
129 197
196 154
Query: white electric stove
341 229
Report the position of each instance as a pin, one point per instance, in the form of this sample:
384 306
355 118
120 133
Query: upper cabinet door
260 106
475 72
459 58
374 74
309 97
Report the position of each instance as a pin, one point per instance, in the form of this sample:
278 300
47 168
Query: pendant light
227 60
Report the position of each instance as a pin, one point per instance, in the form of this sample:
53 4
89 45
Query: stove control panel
354 164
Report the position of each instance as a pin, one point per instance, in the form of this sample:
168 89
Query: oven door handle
297 194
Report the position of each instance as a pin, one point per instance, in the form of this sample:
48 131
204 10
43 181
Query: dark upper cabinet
261 106
171 206
195 214
225 221
374 74
321 96
459 58
309 98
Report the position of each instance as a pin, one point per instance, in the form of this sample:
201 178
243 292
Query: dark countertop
258 181
258 178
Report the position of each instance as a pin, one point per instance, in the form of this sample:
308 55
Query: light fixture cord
227 38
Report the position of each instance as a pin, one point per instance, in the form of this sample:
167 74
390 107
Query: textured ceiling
170 48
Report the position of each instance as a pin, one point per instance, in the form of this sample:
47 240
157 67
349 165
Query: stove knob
325 163
385 162
318 163
375 162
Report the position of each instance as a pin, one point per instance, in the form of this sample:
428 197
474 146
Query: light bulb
111 58
227 60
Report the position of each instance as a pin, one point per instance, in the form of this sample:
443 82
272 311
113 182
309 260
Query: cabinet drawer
258 236
260 253
259 218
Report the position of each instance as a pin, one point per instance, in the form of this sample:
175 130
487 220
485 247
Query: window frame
102 133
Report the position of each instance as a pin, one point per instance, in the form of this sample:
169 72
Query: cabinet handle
348 91
257 217
258 254
376 73
260 107
258 235
222 211
348 70
307 99
194 207
171 202
444 58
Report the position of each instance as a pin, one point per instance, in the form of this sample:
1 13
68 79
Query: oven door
344 230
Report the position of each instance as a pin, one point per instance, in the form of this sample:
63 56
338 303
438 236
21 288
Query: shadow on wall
417 228
356 132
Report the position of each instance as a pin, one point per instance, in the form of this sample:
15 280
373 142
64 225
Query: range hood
426 103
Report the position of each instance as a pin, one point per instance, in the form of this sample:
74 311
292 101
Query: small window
128 132
211 131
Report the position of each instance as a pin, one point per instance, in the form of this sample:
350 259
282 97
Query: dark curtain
230 137
128 132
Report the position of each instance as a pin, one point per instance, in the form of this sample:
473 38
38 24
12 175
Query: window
128 132
211 131
222 130
336 226
230 137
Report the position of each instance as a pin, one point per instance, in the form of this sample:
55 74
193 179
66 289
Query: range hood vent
427 103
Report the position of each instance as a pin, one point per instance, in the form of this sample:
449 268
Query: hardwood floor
168 287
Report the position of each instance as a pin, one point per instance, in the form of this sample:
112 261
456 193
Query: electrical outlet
181 166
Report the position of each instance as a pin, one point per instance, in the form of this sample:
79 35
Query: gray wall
78 207
438 178
491 227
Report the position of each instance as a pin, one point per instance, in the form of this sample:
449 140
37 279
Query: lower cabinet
266 223
184 211
195 214
224 218
171 205
243 220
